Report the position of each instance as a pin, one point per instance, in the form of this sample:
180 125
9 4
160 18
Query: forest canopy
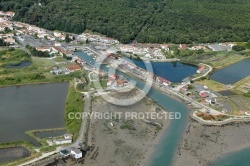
153 21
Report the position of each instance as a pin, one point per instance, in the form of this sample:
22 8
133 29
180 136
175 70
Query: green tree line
153 21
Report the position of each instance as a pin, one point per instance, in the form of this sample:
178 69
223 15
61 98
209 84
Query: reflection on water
24 64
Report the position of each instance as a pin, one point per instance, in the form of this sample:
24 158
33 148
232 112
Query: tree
35 35
248 43
87 41
7 30
143 20
67 39
238 48
190 87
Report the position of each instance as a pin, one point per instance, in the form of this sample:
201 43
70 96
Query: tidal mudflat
202 145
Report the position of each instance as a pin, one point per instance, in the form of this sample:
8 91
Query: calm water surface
9 154
172 71
31 107
233 73
24 64
239 158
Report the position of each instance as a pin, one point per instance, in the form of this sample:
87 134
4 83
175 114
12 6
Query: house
62 37
219 47
62 51
110 82
10 14
127 48
211 100
62 141
165 47
158 53
148 56
58 44
2 13
68 136
41 35
44 49
10 40
204 94
182 47
50 37
76 153
74 67
130 66
57 34
199 88
163 81
197 47
201 69
19 25
36 29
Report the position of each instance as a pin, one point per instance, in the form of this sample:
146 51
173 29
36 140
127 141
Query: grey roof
62 139
77 151
199 88
65 152
217 47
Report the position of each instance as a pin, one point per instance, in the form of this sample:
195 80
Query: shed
76 153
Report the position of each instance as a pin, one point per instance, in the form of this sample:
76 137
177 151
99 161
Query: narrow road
210 69
83 128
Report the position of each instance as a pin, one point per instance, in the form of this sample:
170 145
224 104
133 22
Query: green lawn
75 104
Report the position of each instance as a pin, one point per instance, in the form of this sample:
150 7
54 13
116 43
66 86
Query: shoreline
149 155
161 60
211 141
220 68
34 83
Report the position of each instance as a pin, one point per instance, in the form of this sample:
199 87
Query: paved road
177 88
210 69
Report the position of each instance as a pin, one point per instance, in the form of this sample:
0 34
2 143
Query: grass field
13 57
216 86
75 104
242 86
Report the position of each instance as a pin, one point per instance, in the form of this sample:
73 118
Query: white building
10 13
126 48
165 47
62 141
57 34
76 153
68 136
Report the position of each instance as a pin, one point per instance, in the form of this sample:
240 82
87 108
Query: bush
238 48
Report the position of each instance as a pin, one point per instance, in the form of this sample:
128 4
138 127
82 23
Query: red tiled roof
204 94
163 80
74 67
202 68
